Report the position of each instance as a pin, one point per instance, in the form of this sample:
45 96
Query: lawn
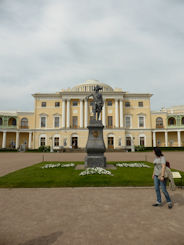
35 176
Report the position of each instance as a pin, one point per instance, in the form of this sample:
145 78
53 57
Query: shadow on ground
44 240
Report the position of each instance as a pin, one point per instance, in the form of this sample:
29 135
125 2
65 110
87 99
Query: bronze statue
97 101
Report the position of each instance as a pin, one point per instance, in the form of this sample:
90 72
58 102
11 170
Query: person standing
159 180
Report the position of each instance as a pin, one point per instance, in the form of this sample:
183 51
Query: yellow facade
60 120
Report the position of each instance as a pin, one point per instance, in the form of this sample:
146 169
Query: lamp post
133 146
51 148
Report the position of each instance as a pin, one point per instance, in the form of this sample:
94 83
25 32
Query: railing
24 127
159 126
8 126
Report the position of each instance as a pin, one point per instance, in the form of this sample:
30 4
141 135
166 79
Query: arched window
12 122
171 121
24 122
182 120
1 121
159 122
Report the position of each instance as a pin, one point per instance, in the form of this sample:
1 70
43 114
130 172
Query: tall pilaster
179 138
4 140
68 114
63 113
104 114
30 140
166 138
116 114
154 139
121 113
81 113
86 113
17 140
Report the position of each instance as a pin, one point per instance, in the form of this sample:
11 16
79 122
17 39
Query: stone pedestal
95 147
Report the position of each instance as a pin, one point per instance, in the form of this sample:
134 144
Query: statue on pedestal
97 103
95 146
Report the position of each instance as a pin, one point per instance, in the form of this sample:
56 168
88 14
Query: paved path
10 162
89 216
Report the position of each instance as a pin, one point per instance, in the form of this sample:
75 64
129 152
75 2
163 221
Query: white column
17 140
4 140
166 138
179 138
121 113
68 114
63 113
81 113
116 114
154 139
30 139
104 114
86 113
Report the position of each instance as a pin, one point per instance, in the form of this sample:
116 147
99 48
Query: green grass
34 176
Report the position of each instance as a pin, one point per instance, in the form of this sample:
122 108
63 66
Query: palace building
60 120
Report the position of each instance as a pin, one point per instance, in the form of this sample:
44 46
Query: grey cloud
50 45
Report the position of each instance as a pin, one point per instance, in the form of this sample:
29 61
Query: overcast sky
47 45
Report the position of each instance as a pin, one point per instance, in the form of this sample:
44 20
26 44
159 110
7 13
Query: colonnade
166 137
17 139
84 113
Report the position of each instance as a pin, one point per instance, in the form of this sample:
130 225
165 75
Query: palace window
44 104
127 104
141 122
74 121
57 104
128 141
140 103
12 122
127 121
42 141
43 122
171 121
142 141
109 121
91 103
56 141
182 120
75 103
24 123
1 121
159 122
109 103
56 122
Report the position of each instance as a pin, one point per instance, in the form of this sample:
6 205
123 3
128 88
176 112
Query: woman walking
159 180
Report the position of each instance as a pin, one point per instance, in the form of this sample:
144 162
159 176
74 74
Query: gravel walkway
88 216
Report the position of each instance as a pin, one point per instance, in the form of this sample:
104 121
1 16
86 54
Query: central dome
89 85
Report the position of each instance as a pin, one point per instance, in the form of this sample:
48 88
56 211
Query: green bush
44 149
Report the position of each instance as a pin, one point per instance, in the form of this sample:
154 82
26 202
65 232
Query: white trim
53 137
128 116
128 135
142 135
144 121
45 122
54 121
42 136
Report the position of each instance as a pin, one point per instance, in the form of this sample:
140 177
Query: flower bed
132 165
59 165
97 170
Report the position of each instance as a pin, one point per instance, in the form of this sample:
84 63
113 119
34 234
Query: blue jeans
159 183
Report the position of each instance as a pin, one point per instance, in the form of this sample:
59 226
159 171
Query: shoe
157 204
170 205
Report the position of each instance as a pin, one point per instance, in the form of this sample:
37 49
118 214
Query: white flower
97 170
57 165
132 165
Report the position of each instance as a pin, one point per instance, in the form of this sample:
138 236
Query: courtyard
91 215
